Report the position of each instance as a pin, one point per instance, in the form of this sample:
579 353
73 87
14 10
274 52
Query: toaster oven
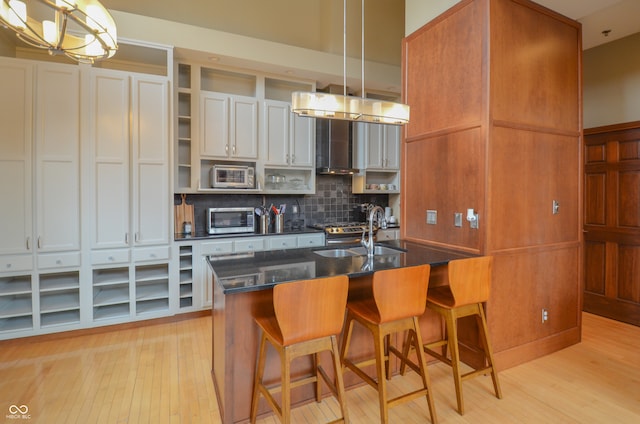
232 176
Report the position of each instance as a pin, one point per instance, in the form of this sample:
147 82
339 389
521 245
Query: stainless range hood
334 147
334 143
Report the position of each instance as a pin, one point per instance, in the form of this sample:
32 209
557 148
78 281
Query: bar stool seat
468 289
399 298
308 317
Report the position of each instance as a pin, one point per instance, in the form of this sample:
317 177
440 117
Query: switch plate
556 207
432 217
457 219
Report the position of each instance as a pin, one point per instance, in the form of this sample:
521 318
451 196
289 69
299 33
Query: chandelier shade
82 30
349 108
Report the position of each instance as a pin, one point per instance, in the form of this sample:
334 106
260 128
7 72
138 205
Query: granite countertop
262 270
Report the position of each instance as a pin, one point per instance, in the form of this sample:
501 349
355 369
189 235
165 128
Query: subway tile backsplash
332 202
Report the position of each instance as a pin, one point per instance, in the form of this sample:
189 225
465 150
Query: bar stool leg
286 386
258 377
382 375
452 337
339 380
422 360
489 352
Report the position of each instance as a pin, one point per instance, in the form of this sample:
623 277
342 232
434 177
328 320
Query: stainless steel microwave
232 176
230 220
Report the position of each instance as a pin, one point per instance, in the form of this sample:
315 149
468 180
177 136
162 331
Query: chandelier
80 29
350 108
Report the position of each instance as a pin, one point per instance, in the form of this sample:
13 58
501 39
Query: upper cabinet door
110 134
244 128
150 118
16 86
57 157
302 141
374 146
392 146
276 132
214 124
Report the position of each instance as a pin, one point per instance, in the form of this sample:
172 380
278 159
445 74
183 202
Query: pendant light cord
344 46
362 77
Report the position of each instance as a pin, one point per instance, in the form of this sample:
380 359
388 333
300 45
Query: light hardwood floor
161 374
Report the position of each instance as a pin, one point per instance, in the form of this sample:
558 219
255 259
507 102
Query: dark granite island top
242 286
261 270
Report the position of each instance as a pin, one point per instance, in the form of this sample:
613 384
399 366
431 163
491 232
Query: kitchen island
242 287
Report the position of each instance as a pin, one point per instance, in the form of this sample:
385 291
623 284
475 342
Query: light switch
432 217
457 219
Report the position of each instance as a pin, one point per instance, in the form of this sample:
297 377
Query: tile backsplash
332 202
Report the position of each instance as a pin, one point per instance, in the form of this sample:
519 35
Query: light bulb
50 32
17 14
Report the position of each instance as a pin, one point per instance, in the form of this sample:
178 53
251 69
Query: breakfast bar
242 287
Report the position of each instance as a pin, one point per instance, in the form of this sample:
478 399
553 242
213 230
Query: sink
336 253
357 251
377 250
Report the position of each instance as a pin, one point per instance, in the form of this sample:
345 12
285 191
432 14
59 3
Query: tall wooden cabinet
495 94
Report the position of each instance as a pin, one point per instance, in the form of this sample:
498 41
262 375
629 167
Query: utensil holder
264 224
279 223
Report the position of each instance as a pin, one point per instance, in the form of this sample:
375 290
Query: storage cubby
184 127
277 89
376 182
152 288
229 82
16 310
295 180
59 298
186 276
111 293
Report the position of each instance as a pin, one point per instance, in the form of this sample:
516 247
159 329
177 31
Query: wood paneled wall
612 222
495 94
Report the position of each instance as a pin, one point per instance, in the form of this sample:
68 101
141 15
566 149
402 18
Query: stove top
343 227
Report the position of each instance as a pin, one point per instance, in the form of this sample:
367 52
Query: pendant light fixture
80 29
350 108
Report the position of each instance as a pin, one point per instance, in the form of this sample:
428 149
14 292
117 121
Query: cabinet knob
59 262
8 265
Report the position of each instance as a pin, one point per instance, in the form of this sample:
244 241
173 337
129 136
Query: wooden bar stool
308 317
399 298
469 287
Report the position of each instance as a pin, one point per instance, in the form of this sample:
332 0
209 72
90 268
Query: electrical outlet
457 219
545 315
432 217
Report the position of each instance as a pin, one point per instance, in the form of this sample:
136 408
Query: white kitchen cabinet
109 134
129 176
288 139
282 242
57 153
16 86
388 234
59 298
311 240
150 164
228 126
377 146
16 303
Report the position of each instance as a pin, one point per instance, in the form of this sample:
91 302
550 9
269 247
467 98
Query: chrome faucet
368 243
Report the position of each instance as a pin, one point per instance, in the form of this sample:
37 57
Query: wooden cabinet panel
628 275
629 199
595 262
444 70
534 57
446 176
529 171
524 284
594 198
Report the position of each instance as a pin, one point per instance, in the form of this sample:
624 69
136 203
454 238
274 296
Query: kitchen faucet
368 243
